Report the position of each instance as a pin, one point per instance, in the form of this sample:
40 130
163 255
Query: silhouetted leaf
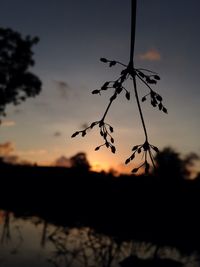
156 77
154 103
155 149
139 150
113 149
134 148
141 74
164 110
112 140
111 129
95 92
128 95
104 60
97 148
105 135
127 161
159 97
107 144
132 156
75 134
150 81
135 170
83 133
160 106
144 98
101 133
112 63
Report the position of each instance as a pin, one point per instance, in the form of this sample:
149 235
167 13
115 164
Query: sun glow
100 166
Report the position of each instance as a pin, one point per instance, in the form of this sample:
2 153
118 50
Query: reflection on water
30 241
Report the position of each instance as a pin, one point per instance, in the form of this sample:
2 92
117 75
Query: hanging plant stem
148 78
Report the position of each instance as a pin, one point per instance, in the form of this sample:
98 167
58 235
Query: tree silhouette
129 72
80 161
17 83
171 166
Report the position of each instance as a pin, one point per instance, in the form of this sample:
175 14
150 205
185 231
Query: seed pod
164 110
135 170
112 63
156 77
134 148
127 161
92 124
104 60
74 134
113 149
83 133
128 95
111 129
159 97
144 98
95 92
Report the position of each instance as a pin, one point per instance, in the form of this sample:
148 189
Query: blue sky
73 36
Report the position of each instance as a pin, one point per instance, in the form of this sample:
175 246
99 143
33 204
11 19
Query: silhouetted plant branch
148 78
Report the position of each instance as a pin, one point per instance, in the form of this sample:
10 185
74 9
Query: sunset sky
74 34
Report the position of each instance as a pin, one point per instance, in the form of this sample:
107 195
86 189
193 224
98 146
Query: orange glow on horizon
98 167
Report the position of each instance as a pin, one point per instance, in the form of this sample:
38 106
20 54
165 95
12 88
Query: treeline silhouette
145 208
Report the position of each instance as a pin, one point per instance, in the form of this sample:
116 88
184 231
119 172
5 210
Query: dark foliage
158 209
17 83
80 162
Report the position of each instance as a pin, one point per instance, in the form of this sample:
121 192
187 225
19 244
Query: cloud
63 88
62 161
32 152
84 125
7 123
150 55
18 111
57 134
6 149
10 155
6 152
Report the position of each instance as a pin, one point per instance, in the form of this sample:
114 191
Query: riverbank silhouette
144 208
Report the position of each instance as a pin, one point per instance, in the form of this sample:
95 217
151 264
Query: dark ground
127 207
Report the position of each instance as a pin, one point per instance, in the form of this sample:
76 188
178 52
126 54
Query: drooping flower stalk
146 76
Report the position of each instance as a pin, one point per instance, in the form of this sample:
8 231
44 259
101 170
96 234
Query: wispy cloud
6 152
57 134
7 123
63 88
6 148
150 55
31 152
84 125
